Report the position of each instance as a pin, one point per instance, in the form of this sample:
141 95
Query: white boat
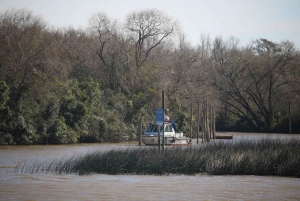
150 136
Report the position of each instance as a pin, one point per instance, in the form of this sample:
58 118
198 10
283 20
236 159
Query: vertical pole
158 138
191 123
140 130
207 123
198 122
163 127
214 123
211 122
203 125
290 122
206 129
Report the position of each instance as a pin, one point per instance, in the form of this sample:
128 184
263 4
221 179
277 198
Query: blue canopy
174 125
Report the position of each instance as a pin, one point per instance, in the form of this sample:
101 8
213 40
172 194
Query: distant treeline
61 85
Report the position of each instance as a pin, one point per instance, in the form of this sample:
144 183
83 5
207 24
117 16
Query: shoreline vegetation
265 157
95 85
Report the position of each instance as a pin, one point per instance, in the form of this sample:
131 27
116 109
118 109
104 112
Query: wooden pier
225 137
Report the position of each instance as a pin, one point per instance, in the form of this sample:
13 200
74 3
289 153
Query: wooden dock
225 137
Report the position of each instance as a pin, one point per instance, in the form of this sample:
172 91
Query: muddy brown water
37 186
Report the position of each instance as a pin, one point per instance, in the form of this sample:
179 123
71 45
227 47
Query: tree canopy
67 86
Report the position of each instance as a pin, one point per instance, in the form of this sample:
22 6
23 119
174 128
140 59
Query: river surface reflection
16 186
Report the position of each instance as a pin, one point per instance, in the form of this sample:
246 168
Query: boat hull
169 140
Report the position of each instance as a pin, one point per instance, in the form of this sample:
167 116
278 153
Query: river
23 186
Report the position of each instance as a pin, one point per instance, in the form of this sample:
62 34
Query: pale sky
247 20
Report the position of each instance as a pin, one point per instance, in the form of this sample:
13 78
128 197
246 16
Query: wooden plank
228 137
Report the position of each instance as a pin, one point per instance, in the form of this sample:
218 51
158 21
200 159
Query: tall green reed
248 157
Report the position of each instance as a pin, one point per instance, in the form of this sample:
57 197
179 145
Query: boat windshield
153 128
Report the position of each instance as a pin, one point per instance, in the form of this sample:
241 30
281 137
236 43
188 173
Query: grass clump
250 157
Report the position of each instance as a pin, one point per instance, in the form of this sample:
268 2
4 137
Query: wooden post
191 123
198 122
158 140
211 122
214 124
140 131
203 124
290 121
206 118
163 126
207 122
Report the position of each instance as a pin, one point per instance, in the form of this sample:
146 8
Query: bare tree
254 80
111 49
148 29
184 72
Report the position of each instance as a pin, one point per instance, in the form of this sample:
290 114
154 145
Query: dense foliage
275 157
94 85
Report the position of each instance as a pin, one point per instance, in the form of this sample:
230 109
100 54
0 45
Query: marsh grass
249 157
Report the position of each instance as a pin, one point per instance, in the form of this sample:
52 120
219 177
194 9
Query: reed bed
249 157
